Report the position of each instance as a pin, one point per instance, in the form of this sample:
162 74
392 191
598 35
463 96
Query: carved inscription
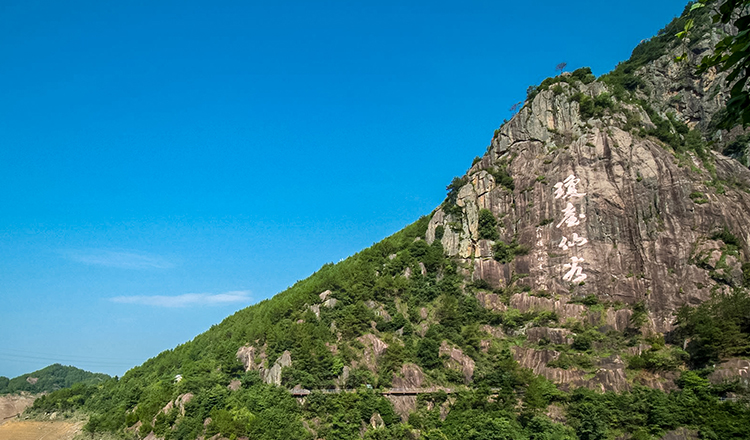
568 190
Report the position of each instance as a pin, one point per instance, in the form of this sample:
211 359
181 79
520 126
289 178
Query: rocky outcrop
252 358
681 434
552 335
610 376
234 385
537 361
376 421
602 209
273 374
409 377
731 370
182 400
379 310
610 318
403 405
374 348
658 381
457 360
564 310
491 301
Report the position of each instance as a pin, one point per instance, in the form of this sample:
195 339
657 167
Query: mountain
586 278
50 378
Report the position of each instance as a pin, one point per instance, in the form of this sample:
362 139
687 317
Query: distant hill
48 379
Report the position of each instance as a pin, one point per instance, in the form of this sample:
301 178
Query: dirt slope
32 430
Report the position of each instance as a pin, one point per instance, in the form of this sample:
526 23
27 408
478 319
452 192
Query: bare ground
14 404
35 430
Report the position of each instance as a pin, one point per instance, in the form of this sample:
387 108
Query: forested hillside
51 378
587 278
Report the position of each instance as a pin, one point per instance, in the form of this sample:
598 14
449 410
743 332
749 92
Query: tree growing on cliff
731 54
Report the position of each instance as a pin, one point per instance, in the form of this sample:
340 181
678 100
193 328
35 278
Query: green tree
487 225
732 55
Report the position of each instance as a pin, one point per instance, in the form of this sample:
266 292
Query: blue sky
164 164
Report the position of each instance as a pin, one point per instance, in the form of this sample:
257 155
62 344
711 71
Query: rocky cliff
599 204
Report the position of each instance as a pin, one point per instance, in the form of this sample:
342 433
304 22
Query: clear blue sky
164 164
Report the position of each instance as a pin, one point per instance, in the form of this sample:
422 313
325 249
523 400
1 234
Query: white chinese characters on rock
568 190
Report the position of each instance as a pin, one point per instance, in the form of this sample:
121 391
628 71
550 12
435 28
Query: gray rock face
251 357
553 335
731 370
254 359
681 434
491 301
410 377
457 360
273 375
602 210
374 348
609 377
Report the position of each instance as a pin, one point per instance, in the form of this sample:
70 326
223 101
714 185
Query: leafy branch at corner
731 54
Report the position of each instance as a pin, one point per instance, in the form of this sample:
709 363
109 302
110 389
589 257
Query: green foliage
588 300
439 232
716 329
652 413
659 360
545 222
595 107
487 225
583 75
51 378
507 252
727 237
623 80
582 342
690 380
428 353
698 197
450 205
502 176
639 316
739 149
572 360
730 55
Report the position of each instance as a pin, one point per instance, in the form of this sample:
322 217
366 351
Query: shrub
588 300
698 197
718 328
428 353
487 225
502 177
658 360
546 221
450 203
439 232
727 237
582 342
507 252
